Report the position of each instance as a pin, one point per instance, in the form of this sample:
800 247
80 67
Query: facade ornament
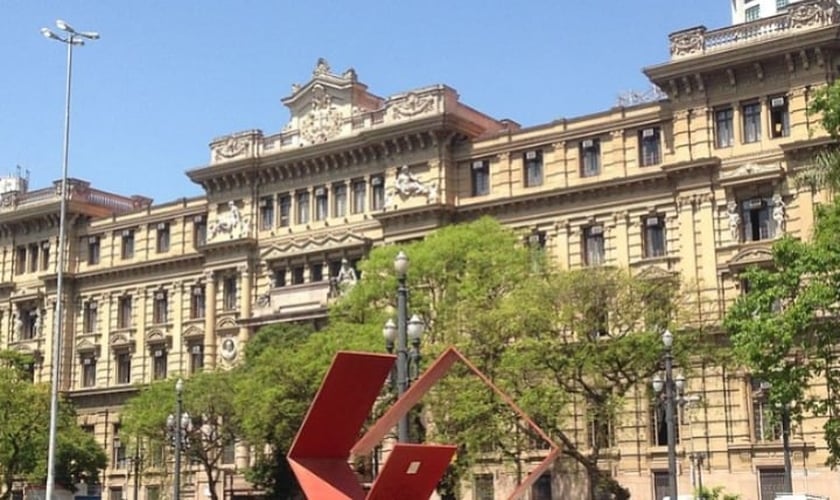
231 148
18 325
810 14
688 42
323 122
346 278
350 74
751 169
322 67
734 221
408 185
38 327
295 88
230 223
412 105
228 349
779 213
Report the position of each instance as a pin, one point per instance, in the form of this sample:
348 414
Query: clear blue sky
170 75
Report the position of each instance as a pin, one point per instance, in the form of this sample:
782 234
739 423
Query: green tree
24 433
824 169
208 398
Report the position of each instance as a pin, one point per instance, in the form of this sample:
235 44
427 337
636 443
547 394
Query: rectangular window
196 357
127 244
321 203
724 133
197 302
89 317
116 492
480 177
599 431
781 4
660 485
229 453
159 308
340 200
541 490
771 482
162 244
650 149
377 194
779 117
590 157
752 13
484 487
119 457
45 255
593 246
533 161
158 362
279 277
33 258
756 219
285 202
123 367
302 202
124 312
93 250
751 116
153 492
266 212
359 194
316 273
297 275
766 427
199 231
20 260
659 425
653 227
229 293
88 371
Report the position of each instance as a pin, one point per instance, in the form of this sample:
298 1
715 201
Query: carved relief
323 122
734 221
412 105
751 169
228 349
808 14
231 148
688 42
779 214
407 185
230 224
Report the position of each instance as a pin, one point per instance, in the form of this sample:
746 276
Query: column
556 173
682 135
708 281
245 295
798 114
616 157
700 135
561 246
501 175
621 239
686 238
209 319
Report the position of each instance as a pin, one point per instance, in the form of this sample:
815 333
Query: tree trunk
604 486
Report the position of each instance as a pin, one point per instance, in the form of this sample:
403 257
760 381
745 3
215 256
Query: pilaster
245 298
798 112
687 238
708 242
617 158
561 237
209 319
682 135
620 239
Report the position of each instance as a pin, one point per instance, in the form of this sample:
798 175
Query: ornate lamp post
177 426
673 388
71 38
405 331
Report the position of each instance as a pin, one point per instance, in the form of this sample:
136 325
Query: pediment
297 247
86 346
120 340
226 323
193 332
751 256
654 272
155 335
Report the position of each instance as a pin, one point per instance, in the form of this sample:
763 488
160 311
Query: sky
168 76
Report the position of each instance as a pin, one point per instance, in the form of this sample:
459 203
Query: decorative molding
412 104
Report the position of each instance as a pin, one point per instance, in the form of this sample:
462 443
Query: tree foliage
24 434
824 169
208 397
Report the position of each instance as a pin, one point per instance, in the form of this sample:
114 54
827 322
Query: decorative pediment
121 340
193 332
86 347
226 323
654 272
155 336
297 247
751 256
748 172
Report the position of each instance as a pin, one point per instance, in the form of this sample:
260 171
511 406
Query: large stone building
697 184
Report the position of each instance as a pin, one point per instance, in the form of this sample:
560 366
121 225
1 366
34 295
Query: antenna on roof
634 97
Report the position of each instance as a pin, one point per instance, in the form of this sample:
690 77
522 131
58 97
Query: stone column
708 241
701 133
561 246
682 135
688 244
798 111
558 175
209 319
621 239
245 295
617 157
503 175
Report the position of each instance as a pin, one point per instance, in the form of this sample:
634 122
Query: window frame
88 370
779 115
94 247
122 360
533 171
89 316
479 177
590 157
160 365
591 234
322 203
302 202
653 229
339 204
751 122
724 121
266 204
163 237
650 137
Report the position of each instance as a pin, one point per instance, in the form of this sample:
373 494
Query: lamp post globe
667 339
401 264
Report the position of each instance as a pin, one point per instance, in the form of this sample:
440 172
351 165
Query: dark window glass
590 157
480 177
533 161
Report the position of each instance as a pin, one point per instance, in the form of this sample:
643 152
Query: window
377 184
266 212
658 423
279 278
199 231
116 492
302 201
196 357
197 302
162 243
723 128
653 227
590 157
159 308
88 370
229 453
765 426
297 275
541 490
119 457
89 317
340 200
751 116
533 168
124 312
153 492
756 220
321 203
93 250
779 117
359 192
484 487
480 177
781 4
127 244
660 485
158 362
770 483
593 246
29 324
285 203
229 294
316 272
650 149
599 431
752 13
123 367
20 260
33 258
45 255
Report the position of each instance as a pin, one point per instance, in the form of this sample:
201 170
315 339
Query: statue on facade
734 221
346 277
38 327
229 223
779 213
18 326
408 184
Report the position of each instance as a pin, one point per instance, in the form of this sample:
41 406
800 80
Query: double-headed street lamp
405 331
70 38
673 388
177 426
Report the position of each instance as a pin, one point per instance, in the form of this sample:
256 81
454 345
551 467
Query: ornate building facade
697 184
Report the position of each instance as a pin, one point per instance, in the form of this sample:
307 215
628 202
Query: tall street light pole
671 389
177 424
71 38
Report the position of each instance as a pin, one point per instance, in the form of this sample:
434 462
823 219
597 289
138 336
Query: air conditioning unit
588 143
196 349
160 295
376 181
198 291
596 230
652 221
264 202
478 165
92 306
87 361
320 191
755 203
93 239
45 244
162 226
198 218
531 155
158 353
648 132
777 102
126 233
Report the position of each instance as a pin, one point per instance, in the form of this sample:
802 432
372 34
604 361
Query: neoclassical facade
695 183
